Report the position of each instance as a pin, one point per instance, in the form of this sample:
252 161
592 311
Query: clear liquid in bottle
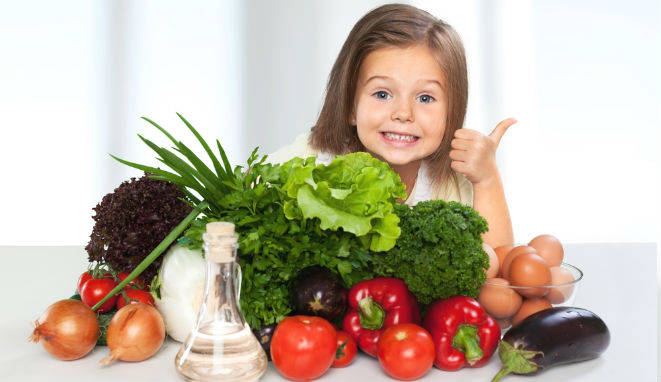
221 347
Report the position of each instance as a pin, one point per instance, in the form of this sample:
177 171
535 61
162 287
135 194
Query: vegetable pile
324 242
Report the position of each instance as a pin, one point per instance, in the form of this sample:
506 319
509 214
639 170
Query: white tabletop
619 285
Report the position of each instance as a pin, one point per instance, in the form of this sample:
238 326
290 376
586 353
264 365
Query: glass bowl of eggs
525 279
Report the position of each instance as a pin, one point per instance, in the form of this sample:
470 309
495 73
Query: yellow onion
68 330
135 333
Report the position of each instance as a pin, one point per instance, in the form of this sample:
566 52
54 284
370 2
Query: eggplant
264 336
316 291
551 337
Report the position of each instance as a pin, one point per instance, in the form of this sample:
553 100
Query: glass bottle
221 347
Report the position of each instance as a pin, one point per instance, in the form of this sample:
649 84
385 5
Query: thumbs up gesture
473 154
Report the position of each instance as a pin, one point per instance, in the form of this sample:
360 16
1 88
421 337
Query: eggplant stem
516 360
501 373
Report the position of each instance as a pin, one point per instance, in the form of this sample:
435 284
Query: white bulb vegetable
182 277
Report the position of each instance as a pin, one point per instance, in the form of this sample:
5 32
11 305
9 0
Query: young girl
398 90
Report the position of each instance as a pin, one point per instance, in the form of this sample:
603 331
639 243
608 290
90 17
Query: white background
582 78
75 76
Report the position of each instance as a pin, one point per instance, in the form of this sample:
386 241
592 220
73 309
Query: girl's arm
474 155
489 200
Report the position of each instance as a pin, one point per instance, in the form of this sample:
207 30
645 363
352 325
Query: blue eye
381 95
426 98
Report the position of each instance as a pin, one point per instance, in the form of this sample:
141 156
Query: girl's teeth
407 138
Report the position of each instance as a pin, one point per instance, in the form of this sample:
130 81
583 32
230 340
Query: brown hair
397 25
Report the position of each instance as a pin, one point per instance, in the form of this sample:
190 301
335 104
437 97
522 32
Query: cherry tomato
303 347
135 296
85 277
95 290
406 351
136 283
346 350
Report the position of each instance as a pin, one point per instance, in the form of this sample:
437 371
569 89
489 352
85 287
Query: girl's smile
399 139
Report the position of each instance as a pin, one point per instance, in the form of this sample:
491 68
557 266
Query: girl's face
400 104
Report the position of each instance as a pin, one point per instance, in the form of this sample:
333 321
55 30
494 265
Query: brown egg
530 306
493 261
560 275
516 251
530 270
502 251
549 248
499 301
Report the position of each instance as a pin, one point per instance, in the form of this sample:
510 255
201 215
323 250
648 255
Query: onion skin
136 332
68 330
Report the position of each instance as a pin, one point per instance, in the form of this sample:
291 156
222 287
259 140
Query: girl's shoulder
299 148
456 188
462 192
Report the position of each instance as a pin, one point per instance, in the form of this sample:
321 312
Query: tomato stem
162 246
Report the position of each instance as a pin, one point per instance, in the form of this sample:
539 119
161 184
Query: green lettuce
355 192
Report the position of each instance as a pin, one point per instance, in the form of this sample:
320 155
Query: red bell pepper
374 306
463 333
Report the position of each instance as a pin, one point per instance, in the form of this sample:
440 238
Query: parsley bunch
439 253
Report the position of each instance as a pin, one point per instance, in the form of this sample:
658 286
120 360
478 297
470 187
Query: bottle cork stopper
220 241
220 228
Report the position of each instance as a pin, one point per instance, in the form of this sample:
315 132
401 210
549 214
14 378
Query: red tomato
303 347
135 296
95 290
85 277
346 350
406 351
136 283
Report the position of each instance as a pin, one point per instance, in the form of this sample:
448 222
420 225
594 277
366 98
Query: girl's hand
473 154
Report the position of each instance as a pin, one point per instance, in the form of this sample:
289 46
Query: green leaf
175 163
228 167
331 218
216 164
161 129
104 322
344 267
184 169
200 166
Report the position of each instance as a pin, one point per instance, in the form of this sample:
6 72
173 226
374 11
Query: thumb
500 129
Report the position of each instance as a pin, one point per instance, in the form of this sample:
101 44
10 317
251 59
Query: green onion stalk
190 176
